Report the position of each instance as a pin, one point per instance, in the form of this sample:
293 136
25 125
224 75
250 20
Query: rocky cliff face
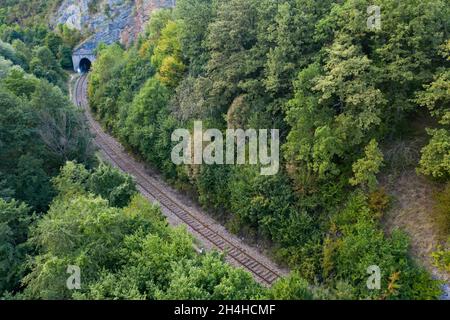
108 21
144 8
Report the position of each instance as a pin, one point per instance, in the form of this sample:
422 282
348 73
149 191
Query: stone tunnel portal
85 65
82 62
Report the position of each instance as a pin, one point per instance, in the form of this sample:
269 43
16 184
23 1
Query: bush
292 287
15 219
442 258
442 210
435 160
113 185
379 202
359 235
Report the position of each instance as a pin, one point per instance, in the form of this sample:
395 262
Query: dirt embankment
412 211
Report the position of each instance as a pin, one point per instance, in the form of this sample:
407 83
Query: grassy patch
442 210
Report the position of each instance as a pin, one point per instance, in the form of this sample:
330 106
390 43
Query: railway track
234 252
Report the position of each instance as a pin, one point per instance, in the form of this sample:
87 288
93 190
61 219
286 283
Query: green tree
112 185
45 65
292 287
65 57
20 83
15 219
356 234
209 278
53 42
32 183
294 43
194 17
103 89
366 169
435 159
146 113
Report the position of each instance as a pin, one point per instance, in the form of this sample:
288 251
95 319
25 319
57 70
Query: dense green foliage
336 89
436 97
39 131
26 40
127 253
435 161
124 252
442 258
27 12
339 92
442 210
15 219
95 220
355 232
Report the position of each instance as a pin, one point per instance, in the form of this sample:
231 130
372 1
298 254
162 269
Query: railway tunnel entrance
82 62
83 56
85 65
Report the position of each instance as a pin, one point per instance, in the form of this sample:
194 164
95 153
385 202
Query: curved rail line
262 273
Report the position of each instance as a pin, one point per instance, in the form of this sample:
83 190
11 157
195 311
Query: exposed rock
107 21
446 292
144 9
123 20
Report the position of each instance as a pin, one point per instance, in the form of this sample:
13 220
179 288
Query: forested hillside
27 13
341 94
356 107
39 131
55 213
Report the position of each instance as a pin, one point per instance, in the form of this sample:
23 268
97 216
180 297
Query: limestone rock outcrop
107 21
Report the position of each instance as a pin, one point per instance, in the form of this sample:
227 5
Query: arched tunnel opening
85 65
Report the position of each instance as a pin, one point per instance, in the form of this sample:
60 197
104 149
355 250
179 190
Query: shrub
442 258
292 287
435 160
379 202
442 210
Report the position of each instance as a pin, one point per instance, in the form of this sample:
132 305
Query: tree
231 41
40 131
294 44
127 253
104 85
71 37
72 180
366 169
356 234
9 53
20 83
292 287
194 17
171 71
32 183
349 86
60 126
142 128
65 57
112 185
62 237
53 42
213 186
311 144
45 65
167 56
435 159
209 278
264 203
15 219
442 258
